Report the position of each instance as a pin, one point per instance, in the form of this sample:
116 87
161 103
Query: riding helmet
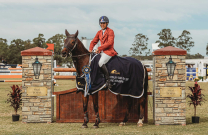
103 19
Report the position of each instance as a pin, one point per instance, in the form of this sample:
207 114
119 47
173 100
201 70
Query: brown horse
80 55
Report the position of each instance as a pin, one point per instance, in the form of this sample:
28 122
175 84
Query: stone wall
37 108
169 110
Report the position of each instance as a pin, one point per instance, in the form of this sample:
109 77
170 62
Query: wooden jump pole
11 65
64 77
10 76
64 69
6 71
11 68
10 80
15 68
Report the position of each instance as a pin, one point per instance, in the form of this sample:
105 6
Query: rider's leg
103 60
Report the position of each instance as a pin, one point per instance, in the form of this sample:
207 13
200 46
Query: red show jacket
106 40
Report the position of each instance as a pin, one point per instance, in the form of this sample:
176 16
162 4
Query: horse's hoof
84 126
139 124
122 124
95 126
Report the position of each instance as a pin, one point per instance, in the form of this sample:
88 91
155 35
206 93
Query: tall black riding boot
107 78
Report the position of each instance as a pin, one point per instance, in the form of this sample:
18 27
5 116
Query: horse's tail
145 83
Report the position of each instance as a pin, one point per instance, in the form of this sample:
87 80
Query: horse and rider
133 77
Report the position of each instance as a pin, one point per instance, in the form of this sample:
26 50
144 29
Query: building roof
37 51
169 50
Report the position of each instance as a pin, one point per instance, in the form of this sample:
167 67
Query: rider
106 37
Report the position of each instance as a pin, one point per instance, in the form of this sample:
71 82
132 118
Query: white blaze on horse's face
69 44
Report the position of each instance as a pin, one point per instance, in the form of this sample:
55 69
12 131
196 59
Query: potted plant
196 99
15 100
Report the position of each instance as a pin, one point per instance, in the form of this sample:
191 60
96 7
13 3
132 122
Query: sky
25 19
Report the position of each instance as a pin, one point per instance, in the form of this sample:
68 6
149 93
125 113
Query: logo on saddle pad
80 84
115 72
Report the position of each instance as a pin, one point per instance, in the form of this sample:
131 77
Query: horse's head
70 43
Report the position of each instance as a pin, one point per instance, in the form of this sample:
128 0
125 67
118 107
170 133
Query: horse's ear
76 34
67 33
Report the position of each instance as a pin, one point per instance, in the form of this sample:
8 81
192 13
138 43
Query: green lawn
18 128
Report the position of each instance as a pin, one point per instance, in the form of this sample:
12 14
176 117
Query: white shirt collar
104 31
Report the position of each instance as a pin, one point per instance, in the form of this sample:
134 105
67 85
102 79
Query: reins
76 56
81 55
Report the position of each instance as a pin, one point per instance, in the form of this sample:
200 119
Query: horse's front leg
85 104
128 107
141 112
95 103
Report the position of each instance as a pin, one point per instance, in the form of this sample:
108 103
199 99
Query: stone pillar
37 93
169 104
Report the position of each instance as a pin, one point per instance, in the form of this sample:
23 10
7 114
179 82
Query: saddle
126 76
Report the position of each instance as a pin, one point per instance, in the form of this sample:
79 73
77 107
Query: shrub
195 96
15 97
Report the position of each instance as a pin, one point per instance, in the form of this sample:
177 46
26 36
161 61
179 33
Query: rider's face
103 25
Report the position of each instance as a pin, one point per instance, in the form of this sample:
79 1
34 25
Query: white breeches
104 59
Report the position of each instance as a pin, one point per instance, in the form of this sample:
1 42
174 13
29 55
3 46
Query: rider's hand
97 51
90 51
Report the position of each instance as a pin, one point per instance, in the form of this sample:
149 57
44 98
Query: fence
111 107
10 72
7 73
55 76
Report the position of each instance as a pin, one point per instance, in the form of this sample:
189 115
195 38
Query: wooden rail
74 70
10 80
74 77
11 68
64 77
6 71
64 69
10 76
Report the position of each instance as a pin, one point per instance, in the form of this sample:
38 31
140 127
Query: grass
18 128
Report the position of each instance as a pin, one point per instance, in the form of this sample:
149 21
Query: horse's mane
81 47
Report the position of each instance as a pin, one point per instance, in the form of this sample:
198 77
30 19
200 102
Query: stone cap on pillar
169 50
37 51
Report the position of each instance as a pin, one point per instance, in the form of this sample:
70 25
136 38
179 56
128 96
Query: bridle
76 56
70 50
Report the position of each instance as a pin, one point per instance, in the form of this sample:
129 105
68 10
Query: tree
194 56
58 41
14 52
40 41
183 41
207 49
165 38
139 45
4 48
28 44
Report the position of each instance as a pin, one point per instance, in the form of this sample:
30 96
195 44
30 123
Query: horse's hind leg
128 106
85 104
141 112
95 103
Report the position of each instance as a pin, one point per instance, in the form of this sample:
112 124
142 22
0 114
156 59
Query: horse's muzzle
64 53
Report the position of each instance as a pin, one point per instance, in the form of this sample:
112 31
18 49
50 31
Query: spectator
4 61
